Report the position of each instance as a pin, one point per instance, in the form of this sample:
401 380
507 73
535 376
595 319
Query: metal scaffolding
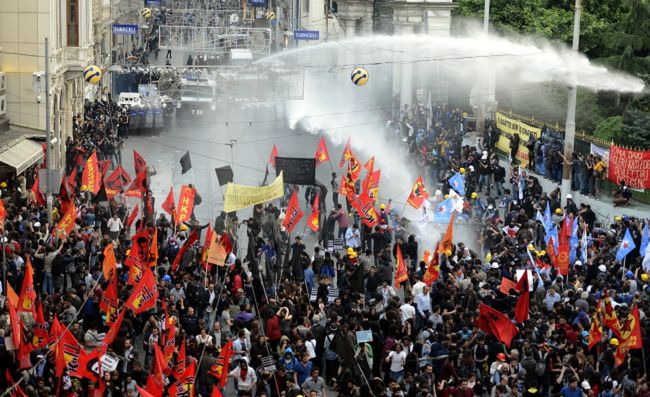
215 40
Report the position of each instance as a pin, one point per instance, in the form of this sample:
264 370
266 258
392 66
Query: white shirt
353 238
397 360
114 225
408 312
417 288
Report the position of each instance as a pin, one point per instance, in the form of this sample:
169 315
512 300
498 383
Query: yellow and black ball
270 15
92 74
359 76
146 13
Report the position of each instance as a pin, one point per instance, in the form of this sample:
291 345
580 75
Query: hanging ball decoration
359 76
270 15
146 13
92 74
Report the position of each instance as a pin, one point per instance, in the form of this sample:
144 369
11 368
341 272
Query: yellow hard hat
3 185
183 227
461 170
382 207
618 218
350 250
644 277
448 253
558 211
488 257
446 196
541 253
613 342
474 195
531 247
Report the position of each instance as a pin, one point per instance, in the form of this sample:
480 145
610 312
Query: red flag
563 258
401 274
322 155
3 214
38 196
432 273
170 344
14 320
523 302
496 323
630 336
144 294
12 296
184 386
370 165
347 153
168 205
611 320
104 165
24 351
220 368
144 392
134 262
132 216
139 185
224 241
55 331
118 180
155 382
69 184
27 292
596 329
354 168
293 215
215 392
371 184
193 238
138 163
153 248
418 194
274 154
90 179
160 360
112 332
185 204
179 365
68 354
366 209
67 222
550 251
446 244
109 302
347 188
17 391
206 247
312 221
41 335
109 265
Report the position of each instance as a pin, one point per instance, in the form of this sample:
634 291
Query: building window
72 12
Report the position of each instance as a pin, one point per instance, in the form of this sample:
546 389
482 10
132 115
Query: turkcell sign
125 29
306 34
152 3
257 3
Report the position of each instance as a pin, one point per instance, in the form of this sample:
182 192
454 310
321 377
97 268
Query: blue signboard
257 3
125 29
152 3
306 34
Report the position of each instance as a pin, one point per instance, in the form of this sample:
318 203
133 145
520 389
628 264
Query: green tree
635 129
609 128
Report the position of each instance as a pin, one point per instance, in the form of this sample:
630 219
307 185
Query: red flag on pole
90 179
630 335
366 209
109 265
168 205
596 328
347 153
496 323
274 154
144 294
432 273
184 386
193 238
185 204
446 244
418 194
370 165
523 302
14 320
67 221
312 221
293 215
611 320
38 196
322 155
401 274
40 338
132 216
27 292
179 364
118 180
354 168
220 368
138 163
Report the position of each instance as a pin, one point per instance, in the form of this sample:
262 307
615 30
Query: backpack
329 353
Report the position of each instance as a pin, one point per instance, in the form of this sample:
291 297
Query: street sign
306 35
152 3
129 30
257 3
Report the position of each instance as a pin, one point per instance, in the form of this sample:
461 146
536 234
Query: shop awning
22 155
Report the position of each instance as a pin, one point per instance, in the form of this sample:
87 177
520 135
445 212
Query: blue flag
573 241
584 246
443 211
645 239
555 236
548 219
457 182
627 245
540 218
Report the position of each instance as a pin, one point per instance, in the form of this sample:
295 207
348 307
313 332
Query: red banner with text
631 166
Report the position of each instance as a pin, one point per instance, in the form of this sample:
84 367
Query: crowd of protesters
291 312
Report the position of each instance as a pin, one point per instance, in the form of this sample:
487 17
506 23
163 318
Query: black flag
224 175
186 163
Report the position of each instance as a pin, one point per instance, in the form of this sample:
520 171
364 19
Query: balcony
71 58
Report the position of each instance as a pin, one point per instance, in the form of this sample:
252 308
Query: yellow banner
241 196
513 126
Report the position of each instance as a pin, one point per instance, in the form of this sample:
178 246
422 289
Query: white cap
437 193
585 385
471 168
490 207
578 263
569 197
494 265
37 224
602 268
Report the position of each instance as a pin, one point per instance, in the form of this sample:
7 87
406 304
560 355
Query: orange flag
611 321
354 168
293 215
401 274
274 154
109 302
27 292
312 221
446 243
206 248
185 204
216 253
432 273
144 294
596 329
322 155
67 222
109 266
370 165
418 194
15 326
12 296
347 153
153 248
90 179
